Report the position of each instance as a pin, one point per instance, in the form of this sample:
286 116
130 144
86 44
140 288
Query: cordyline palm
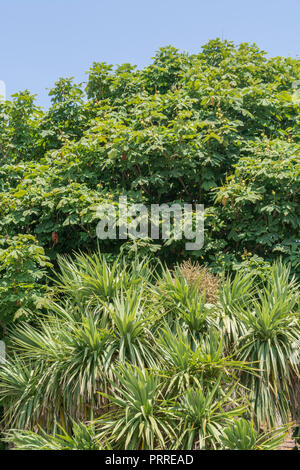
182 302
82 437
178 350
236 293
187 360
70 355
23 395
66 362
203 413
138 418
272 342
93 279
131 323
242 435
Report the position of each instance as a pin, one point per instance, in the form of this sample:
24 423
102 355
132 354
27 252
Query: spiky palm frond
272 330
203 413
182 301
138 417
21 394
242 435
235 293
132 323
145 355
92 278
82 437
71 354
186 360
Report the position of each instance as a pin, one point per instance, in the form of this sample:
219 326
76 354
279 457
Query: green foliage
19 120
82 438
137 420
155 359
261 202
203 416
117 347
220 127
242 435
272 340
23 267
66 118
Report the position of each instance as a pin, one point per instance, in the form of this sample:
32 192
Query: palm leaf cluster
133 356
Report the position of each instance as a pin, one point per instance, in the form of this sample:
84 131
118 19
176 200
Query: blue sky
42 40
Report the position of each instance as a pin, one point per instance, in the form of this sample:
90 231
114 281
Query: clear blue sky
42 40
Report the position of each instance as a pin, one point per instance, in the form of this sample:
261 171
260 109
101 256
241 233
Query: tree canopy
220 128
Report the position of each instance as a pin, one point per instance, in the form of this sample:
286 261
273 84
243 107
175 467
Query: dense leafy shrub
23 267
220 127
